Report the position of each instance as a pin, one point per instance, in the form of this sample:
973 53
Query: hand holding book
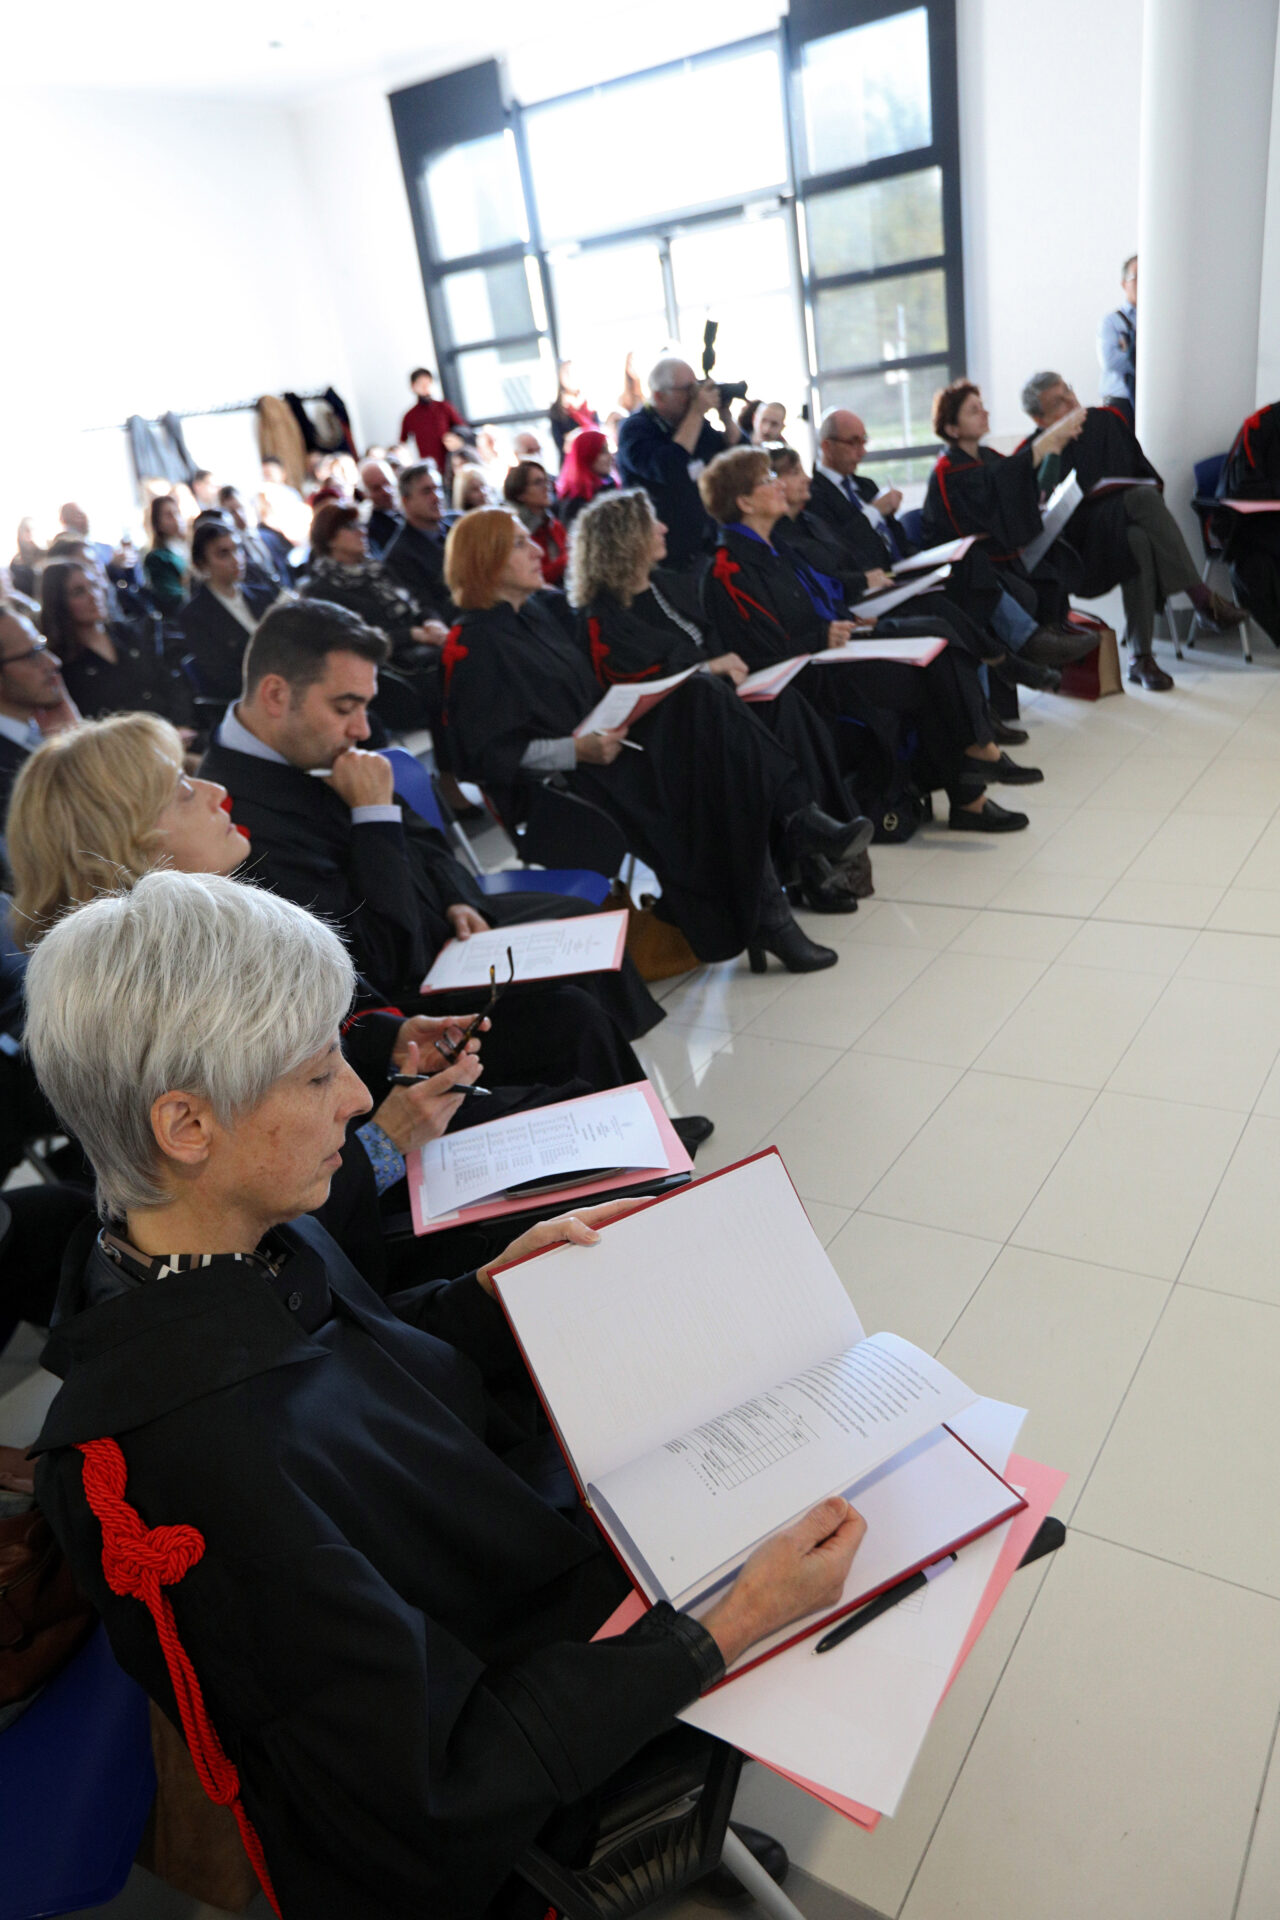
799 1571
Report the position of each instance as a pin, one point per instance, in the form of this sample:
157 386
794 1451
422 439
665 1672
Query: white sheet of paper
620 702
854 1719
876 604
462 1168
769 681
915 651
725 1280
946 555
1058 509
540 950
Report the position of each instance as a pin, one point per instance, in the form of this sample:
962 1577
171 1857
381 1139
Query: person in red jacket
430 423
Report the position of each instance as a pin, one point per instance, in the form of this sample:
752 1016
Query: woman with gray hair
379 1640
640 621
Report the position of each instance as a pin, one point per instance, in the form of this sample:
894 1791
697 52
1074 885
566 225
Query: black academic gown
414 560
217 640
141 679
391 1617
13 758
831 523
699 802
997 498
757 605
387 885
1251 541
1098 530
641 642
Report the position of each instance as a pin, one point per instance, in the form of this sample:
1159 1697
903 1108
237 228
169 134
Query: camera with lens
729 389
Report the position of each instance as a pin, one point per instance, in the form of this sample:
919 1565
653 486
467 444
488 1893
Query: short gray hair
189 981
827 424
1037 386
662 374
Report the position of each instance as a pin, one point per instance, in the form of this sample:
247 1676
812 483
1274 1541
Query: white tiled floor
1036 1110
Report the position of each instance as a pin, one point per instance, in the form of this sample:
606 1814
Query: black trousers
942 704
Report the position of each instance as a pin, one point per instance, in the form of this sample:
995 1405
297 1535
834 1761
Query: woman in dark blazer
109 666
219 619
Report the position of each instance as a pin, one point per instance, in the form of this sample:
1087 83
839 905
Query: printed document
540 950
578 1137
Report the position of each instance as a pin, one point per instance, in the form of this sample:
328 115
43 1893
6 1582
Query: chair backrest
1208 473
413 783
912 524
76 1785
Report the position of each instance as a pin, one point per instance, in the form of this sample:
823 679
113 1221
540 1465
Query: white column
1207 75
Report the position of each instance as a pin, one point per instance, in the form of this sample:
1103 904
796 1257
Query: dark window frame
808 20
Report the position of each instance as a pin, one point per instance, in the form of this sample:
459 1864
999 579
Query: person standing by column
1118 346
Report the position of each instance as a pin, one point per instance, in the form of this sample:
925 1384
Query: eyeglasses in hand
451 1050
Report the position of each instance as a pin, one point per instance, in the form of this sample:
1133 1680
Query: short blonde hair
728 477
477 549
608 547
82 817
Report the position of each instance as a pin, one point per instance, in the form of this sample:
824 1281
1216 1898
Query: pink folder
678 1161
1251 506
1043 1485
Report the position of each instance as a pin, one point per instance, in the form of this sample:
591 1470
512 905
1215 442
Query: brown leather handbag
44 1618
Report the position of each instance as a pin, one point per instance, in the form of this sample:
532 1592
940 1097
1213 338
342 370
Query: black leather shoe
1005 772
722 1889
993 819
1144 672
1057 646
813 831
1004 735
792 945
1025 673
691 1129
825 887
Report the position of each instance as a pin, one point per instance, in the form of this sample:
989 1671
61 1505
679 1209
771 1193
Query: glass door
740 274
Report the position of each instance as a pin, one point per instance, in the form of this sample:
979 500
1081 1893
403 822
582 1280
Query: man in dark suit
378 482
347 848
665 446
863 517
414 557
33 700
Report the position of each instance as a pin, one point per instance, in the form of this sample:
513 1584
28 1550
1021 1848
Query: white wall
1049 169
1268 387
346 149
182 273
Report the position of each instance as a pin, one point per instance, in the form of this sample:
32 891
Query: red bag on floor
1098 673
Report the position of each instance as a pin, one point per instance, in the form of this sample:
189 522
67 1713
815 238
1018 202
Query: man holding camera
664 446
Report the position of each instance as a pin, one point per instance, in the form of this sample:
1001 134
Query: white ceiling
287 49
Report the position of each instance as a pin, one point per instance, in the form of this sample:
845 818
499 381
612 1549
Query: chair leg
766 1892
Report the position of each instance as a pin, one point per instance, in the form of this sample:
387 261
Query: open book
709 1382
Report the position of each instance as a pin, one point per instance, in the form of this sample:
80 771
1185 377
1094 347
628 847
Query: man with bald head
385 521
664 446
33 700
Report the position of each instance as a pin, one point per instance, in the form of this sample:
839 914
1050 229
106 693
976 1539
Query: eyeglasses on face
32 653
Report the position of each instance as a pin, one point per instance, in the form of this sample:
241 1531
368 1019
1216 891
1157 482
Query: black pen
883 1602
420 1079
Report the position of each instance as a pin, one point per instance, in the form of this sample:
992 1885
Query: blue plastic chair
76 1784
414 785
912 524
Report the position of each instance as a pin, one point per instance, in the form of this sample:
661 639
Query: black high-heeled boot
777 933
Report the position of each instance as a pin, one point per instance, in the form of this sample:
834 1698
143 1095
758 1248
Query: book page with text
708 1495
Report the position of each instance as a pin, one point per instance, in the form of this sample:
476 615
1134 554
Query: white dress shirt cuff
368 816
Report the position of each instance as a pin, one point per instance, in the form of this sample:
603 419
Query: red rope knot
451 654
724 568
139 1562
136 1559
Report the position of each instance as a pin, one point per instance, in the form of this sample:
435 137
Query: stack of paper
875 605
622 706
574 1148
540 950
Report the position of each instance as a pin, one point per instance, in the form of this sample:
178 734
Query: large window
874 93
800 188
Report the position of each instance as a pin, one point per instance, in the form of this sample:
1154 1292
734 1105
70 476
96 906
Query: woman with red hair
587 471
